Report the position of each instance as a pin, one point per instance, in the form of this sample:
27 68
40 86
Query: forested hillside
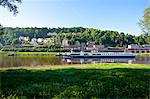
10 36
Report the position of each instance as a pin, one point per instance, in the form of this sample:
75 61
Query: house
22 38
65 42
74 46
95 47
99 47
90 44
77 44
82 46
39 40
34 41
45 41
51 34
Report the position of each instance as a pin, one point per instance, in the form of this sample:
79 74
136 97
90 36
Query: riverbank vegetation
87 81
49 53
10 36
28 53
31 48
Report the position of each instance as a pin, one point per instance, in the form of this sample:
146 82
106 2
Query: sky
117 15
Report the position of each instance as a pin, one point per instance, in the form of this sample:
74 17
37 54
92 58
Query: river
47 60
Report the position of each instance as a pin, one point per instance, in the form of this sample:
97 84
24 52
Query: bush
34 49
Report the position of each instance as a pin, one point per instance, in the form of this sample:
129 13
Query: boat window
85 54
75 54
98 54
143 51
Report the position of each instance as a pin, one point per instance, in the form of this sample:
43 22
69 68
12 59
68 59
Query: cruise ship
99 55
98 60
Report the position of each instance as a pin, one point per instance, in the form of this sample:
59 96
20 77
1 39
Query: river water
47 60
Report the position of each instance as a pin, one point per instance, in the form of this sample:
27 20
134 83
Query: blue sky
118 15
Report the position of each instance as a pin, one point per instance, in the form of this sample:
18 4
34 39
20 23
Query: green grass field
87 81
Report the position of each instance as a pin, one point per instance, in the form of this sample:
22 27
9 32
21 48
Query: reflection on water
99 60
32 61
137 60
142 60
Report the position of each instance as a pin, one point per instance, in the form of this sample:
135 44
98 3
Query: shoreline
54 53
81 66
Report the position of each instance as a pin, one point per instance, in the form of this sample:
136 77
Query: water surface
39 60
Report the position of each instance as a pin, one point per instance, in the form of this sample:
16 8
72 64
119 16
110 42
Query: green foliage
43 48
91 81
9 36
11 5
145 22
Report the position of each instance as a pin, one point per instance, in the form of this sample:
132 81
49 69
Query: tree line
10 36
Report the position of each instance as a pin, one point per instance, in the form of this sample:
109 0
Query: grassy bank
51 53
143 54
87 81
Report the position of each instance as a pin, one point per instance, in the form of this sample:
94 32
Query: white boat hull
99 55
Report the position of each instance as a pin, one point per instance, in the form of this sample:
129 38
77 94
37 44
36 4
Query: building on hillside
99 47
93 47
65 42
40 40
22 38
34 41
77 44
90 44
82 46
51 34
45 41
138 49
74 46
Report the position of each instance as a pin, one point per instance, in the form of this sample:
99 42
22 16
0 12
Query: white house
51 34
24 38
34 41
65 42
45 41
39 40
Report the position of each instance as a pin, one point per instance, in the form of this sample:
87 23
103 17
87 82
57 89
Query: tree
11 5
145 22
1 29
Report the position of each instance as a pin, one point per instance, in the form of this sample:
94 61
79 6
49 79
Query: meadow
77 81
